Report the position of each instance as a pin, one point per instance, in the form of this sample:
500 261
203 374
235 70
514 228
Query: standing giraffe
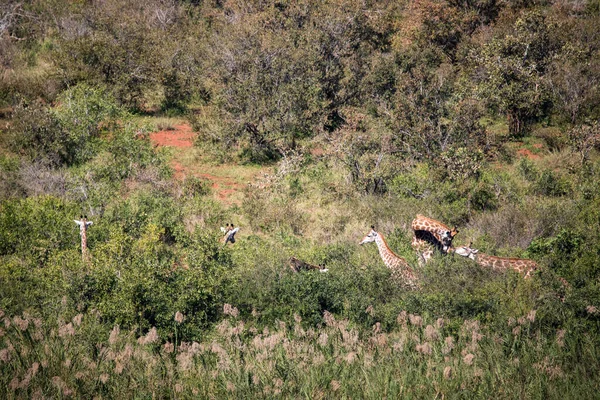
401 271
520 265
83 225
430 235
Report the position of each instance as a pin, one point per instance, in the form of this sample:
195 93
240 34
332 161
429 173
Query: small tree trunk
515 124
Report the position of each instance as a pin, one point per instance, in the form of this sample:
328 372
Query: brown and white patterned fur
430 235
83 225
229 234
298 265
401 271
520 265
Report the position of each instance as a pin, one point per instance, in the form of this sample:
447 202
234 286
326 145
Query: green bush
528 169
38 135
37 226
69 134
84 113
551 184
483 198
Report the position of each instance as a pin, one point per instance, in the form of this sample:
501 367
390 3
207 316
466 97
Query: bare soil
182 138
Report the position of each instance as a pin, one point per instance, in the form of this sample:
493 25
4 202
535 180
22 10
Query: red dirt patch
225 194
179 170
181 136
527 153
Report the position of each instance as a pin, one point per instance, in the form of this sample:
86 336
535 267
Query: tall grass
418 357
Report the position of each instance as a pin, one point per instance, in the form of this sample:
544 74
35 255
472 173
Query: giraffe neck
502 263
428 240
432 231
423 248
401 271
83 233
390 259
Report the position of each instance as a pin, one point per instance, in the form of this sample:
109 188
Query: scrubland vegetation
335 115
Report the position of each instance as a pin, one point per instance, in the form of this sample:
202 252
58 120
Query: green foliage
37 227
528 169
562 249
193 186
515 66
37 133
374 112
462 163
84 114
483 198
69 134
551 184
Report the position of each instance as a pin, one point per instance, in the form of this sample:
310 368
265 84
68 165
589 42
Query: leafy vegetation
336 115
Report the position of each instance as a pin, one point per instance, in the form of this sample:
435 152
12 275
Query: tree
68 134
514 71
283 72
574 74
119 44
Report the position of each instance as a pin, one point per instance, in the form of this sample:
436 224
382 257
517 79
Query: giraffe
83 225
520 265
430 235
297 265
229 234
226 230
401 271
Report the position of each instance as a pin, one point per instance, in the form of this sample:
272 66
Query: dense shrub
551 184
374 112
69 134
37 134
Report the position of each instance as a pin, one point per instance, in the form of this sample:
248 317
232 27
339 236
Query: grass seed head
468 359
448 372
179 317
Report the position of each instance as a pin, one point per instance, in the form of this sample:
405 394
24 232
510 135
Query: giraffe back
298 265
520 265
430 235
423 223
436 228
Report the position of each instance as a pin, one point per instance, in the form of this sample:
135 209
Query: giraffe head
466 251
83 222
230 234
227 228
371 236
447 238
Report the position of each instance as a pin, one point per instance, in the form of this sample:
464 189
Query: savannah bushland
312 121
